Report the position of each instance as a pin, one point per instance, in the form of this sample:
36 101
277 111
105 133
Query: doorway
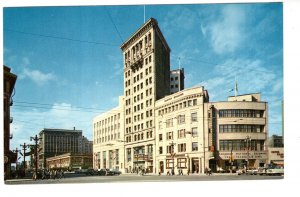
195 166
161 166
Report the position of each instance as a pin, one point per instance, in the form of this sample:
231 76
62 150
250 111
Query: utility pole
36 139
247 144
24 146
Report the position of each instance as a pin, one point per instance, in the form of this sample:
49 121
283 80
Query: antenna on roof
144 13
179 63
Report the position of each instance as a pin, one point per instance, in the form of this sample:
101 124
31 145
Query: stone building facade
9 80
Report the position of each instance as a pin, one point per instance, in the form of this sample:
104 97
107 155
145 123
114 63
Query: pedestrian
34 176
63 174
188 172
209 171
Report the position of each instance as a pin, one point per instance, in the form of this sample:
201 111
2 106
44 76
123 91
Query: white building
180 131
108 135
237 132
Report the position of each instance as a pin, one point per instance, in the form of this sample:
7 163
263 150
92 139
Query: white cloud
227 33
31 121
251 76
37 76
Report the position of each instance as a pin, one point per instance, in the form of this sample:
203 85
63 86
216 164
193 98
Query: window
194 117
180 119
160 150
169 163
194 132
160 137
181 163
128 154
181 133
170 135
195 146
169 123
182 147
150 59
169 149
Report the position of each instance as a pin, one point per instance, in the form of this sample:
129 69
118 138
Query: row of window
174 78
241 128
180 120
139 96
170 149
147 71
107 129
178 106
138 107
180 134
241 145
140 136
107 138
246 113
108 120
149 124
137 48
174 86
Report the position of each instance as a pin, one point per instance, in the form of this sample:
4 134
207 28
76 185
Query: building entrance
161 166
195 166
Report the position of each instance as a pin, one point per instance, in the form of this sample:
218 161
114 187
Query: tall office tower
146 79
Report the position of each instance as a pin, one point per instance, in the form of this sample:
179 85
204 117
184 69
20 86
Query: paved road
146 178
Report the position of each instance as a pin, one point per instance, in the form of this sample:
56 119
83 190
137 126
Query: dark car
114 172
102 172
90 172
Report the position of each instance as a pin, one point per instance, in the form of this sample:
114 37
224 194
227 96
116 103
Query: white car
275 171
252 171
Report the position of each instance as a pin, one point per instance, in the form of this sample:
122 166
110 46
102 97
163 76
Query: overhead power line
61 38
114 24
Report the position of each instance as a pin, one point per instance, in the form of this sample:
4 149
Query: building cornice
151 23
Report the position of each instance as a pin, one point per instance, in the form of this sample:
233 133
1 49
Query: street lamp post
24 147
172 155
247 140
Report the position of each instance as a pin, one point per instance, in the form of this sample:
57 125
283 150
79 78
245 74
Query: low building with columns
108 136
70 161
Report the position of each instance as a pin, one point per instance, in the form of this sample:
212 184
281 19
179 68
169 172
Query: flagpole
235 89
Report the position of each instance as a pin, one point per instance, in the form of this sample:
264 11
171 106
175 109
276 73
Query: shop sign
244 155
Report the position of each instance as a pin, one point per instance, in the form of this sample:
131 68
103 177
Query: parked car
261 171
90 172
240 171
115 172
275 171
252 171
102 172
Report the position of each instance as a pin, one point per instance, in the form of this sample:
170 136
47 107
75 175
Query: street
146 178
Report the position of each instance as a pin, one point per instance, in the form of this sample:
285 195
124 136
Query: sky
70 67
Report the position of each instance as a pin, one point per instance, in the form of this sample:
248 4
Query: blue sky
69 62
